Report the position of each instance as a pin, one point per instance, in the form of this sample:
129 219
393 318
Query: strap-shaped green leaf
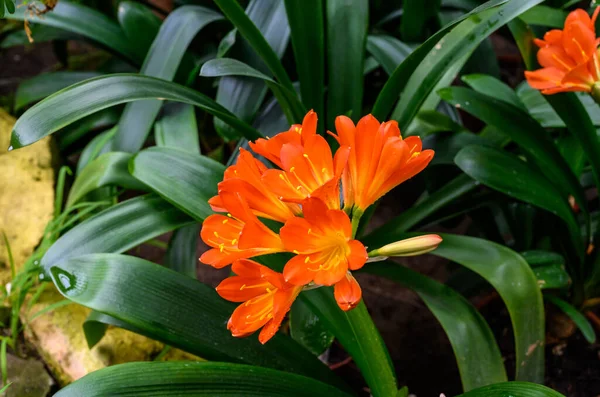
197 379
579 319
140 25
520 389
174 309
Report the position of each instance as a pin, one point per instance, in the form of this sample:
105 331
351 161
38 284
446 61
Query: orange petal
579 41
241 289
296 236
555 56
347 292
328 269
296 271
219 259
284 186
546 78
358 255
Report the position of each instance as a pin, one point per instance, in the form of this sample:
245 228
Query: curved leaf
42 85
80 100
307 28
579 319
545 16
140 25
489 85
99 145
307 329
388 50
477 354
243 96
521 389
458 43
512 277
108 169
162 61
358 335
174 309
347 23
288 100
96 324
117 229
195 378
95 122
181 254
523 130
177 128
86 22
186 180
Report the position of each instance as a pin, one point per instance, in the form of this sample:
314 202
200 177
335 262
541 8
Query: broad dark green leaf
42 85
140 25
177 128
96 323
552 276
542 258
162 61
117 229
388 51
86 22
417 15
95 122
395 228
491 86
307 27
514 280
457 44
307 329
106 170
288 100
254 37
395 85
358 335
523 130
186 180
195 378
509 389
429 122
85 98
174 309
243 96
181 254
524 38
579 319
545 16
347 23
99 145
447 145
477 354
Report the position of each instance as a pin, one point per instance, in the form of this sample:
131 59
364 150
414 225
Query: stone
28 378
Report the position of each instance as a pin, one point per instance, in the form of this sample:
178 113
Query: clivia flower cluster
568 57
303 198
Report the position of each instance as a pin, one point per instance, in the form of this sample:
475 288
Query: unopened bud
409 247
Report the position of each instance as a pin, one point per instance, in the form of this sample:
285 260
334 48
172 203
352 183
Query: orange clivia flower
347 292
380 159
568 57
266 295
270 148
238 235
323 244
245 178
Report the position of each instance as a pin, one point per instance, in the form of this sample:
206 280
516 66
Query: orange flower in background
323 244
568 57
270 148
379 160
238 235
266 295
245 178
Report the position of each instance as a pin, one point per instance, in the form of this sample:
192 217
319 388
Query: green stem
357 213
596 92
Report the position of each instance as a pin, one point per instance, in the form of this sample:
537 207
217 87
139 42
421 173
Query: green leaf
388 51
523 130
307 329
552 276
416 17
447 145
96 324
545 16
174 309
40 33
98 121
197 379
42 85
99 145
254 37
288 100
85 98
140 25
106 170
524 38
117 229
243 96
347 23
477 354
397 227
514 280
579 319
542 258
308 40
162 61
491 86
86 22
458 43
186 180
506 389
181 255
177 128
358 335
